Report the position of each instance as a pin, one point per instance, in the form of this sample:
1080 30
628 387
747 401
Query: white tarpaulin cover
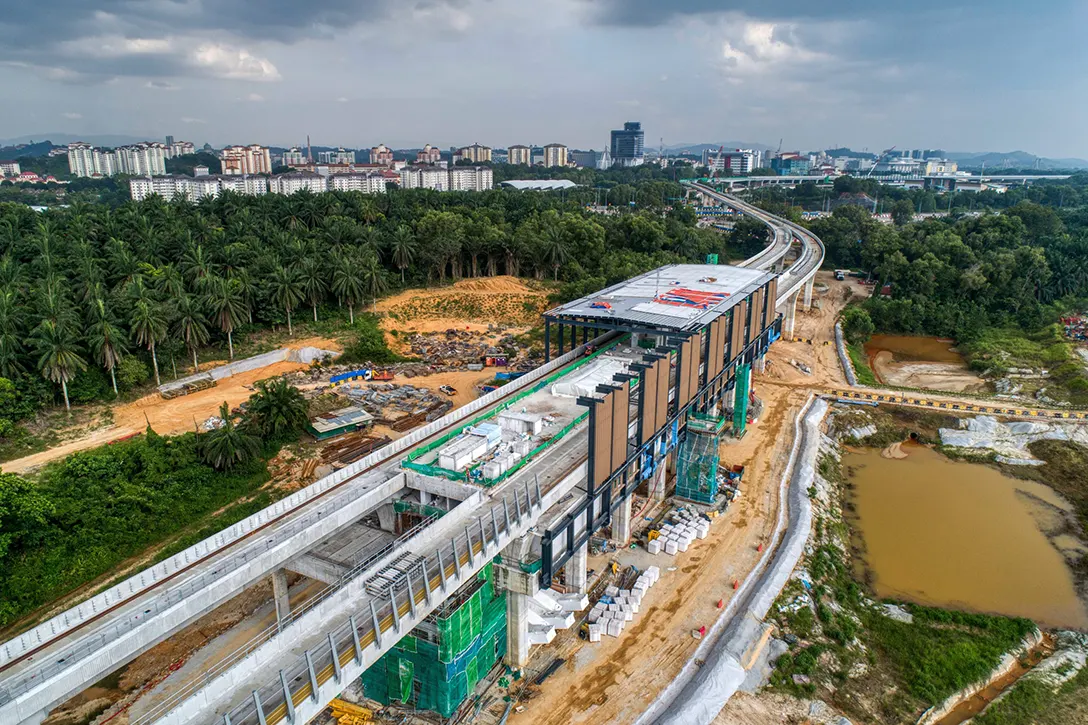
584 381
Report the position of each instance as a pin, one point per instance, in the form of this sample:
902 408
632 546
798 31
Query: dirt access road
615 680
169 417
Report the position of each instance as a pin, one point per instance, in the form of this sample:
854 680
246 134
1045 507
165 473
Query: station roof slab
676 297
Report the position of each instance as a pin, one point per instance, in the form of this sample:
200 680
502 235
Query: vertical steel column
335 659
286 698
377 628
547 340
313 675
260 710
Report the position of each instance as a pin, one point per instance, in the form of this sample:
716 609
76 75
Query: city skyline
504 74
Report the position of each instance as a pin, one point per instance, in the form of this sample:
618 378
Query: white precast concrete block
627 612
611 590
654 547
671 548
682 545
593 616
613 628
541 635
594 633
572 602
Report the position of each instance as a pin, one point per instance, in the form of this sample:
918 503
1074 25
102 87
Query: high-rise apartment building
475 153
142 159
9 168
628 145
294 157
178 148
555 154
381 154
428 155
470 178
252 159
519 155
339 156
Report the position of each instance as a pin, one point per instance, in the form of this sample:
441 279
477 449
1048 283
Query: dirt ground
486 301
169 417
615 680
946 377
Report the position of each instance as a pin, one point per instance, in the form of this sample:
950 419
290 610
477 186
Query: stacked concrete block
654 547
670 547
614 627
594 633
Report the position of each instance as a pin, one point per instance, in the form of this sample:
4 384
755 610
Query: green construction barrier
698 458
438 673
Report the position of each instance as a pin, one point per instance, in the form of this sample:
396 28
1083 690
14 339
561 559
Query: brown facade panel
772 300
648 406
621 414
602 441
683 372
740 317
663 369
756 302
693 364
718 343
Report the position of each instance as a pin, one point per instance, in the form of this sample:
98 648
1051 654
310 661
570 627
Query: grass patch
95 509
860 362
997 350
1033 703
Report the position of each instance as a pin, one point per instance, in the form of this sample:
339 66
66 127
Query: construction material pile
682 528
618 606
461 347
1075 327
352 447
401 407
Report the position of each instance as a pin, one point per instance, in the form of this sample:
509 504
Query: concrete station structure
437 551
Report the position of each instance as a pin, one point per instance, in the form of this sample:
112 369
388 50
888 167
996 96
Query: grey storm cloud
654 12
77 40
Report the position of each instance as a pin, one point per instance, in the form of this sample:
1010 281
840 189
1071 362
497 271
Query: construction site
444 572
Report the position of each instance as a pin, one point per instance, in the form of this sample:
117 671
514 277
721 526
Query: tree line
91 292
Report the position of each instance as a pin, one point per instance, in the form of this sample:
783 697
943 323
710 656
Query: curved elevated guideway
799 276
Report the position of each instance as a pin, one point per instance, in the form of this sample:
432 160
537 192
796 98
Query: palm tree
276 408
402 246
373 276
148 324
190 325
107 339
228 445
554 248
286 291
60 358
227 305
346 283
312 277
11 335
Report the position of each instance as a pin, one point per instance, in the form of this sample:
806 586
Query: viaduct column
808 293
279 593
790 317
519 587
621 522
576 569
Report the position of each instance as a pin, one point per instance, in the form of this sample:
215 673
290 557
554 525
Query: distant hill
698 148
63 139
1013 160
31 149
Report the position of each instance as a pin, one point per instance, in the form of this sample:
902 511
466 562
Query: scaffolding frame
697 459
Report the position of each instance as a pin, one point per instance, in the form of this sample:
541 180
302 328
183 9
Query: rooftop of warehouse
673 297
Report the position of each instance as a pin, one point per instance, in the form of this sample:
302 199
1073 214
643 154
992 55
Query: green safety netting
471 639
401 507
740 400
697 459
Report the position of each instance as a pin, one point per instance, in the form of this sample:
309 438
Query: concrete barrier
844 357
304 355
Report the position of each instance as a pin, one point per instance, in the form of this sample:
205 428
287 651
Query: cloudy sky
954 74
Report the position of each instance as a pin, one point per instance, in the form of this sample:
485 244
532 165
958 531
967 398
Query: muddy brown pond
963 536
920 362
